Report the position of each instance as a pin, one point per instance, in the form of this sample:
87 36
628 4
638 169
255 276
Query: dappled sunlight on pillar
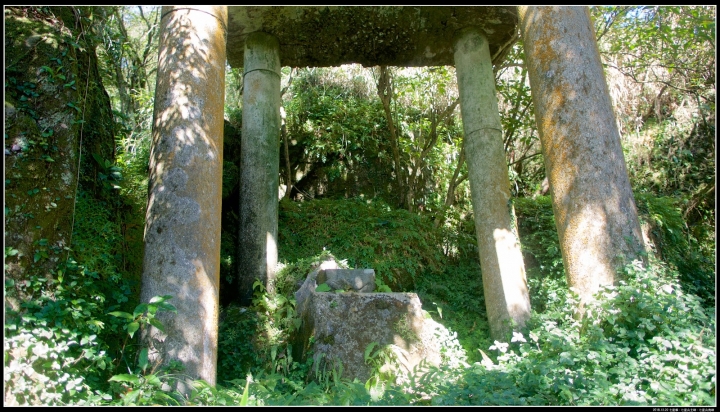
209 298
594 207
260 163
182 231
272 257
503 270
511 264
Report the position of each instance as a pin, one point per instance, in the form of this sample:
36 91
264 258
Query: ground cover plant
647 342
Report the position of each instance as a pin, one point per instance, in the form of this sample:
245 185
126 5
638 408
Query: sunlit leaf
132 328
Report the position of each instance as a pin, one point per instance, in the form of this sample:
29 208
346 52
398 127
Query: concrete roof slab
319 36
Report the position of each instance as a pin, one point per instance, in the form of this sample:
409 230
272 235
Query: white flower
517 337
501 346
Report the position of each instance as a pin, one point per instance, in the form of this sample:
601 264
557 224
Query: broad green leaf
158 299
122 315
244 399
167 306
140 309
369 349
157 324
153 380
125 377
143 359
132 396
132 328
164 396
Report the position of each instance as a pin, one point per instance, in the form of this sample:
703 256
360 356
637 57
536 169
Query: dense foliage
375 175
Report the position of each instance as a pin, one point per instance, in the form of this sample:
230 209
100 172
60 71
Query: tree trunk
385 92
455 181
284 136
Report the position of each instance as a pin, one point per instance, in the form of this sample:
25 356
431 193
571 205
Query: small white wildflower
501 346
518 337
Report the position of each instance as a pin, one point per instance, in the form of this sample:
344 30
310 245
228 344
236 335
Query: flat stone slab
319 36
349 280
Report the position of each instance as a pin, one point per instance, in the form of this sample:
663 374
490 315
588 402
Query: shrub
61 347
644 341
541 252
53 351
678 245
456 299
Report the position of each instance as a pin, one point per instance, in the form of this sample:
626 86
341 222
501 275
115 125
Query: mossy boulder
55 109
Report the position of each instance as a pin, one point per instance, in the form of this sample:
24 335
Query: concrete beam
594 207
315 36
182 231
503 270
259 164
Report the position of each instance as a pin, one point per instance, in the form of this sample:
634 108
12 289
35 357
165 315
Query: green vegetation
73 316
398 244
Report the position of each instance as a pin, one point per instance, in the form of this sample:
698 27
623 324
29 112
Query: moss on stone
45 82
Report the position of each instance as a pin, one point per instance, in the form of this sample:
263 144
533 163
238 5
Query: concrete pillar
594 208
182 230
503 270
260 163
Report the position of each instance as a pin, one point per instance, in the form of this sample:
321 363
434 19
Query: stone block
343 324
308 287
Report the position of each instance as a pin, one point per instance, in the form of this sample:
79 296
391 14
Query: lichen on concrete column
503 271
182 231
260 163
594 207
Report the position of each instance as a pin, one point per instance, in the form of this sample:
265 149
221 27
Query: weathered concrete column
182 231
594 208
260 164
503 270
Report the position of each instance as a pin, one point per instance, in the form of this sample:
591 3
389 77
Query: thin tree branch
613 19
525 158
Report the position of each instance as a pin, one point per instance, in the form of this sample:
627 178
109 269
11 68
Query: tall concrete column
260 163
594 208
503 270
182 230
